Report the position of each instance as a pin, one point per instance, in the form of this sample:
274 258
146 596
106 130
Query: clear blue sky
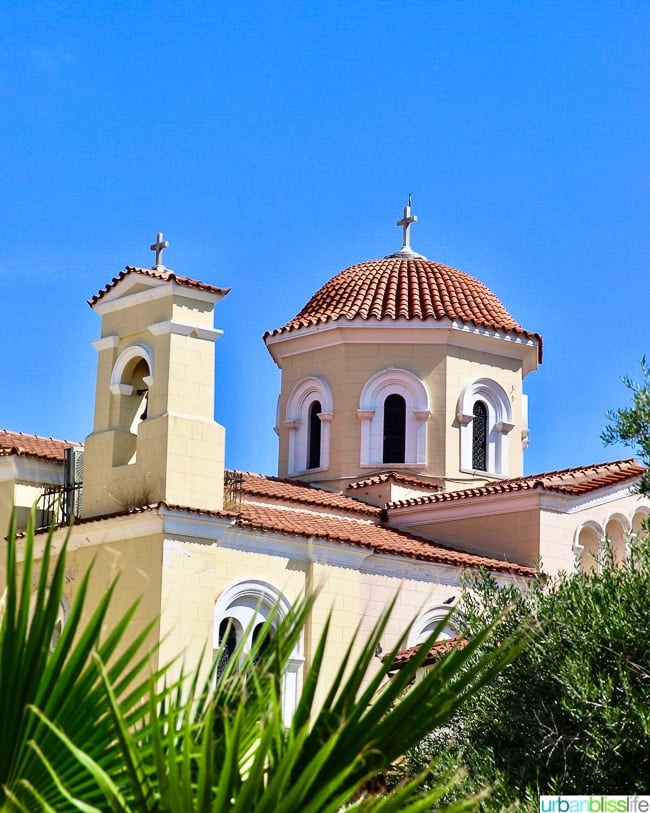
275 143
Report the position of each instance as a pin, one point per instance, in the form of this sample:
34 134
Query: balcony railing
59 505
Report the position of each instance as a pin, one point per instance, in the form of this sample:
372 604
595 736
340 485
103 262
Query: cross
405 223
159 246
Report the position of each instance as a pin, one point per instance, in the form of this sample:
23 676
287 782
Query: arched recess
487 399
587 544
640 519
382 387
617 533
131 378
309 444
240 614
426 623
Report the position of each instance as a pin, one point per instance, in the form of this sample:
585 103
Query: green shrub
78 734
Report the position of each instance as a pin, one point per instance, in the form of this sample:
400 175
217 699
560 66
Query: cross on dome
159 246
406 221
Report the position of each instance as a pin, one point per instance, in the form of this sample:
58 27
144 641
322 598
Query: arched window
618 533
393 409
394 429
314 436
428 621
308 417
485 419
640 520
240 617
479 436
227 641
587 546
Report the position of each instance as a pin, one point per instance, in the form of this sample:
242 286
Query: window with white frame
309 414
393 410
240 617
485 420
428 621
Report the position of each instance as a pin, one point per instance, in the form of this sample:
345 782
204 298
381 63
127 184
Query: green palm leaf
62 681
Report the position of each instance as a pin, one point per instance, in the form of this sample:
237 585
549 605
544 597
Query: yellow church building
402 426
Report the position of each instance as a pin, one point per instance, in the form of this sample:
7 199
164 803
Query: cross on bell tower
159 246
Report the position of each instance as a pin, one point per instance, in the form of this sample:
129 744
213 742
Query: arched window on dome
308 417
393 409
479 436
241 615
314 434
394 450
485 419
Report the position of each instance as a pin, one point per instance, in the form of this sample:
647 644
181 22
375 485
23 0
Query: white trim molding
427 622
499 424
106 343
393 381
184 329
136 351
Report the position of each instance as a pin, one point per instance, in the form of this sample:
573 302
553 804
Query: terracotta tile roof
436 652
571 482
407 288
17 443
295 491
364 534
358 531
397 477
164 276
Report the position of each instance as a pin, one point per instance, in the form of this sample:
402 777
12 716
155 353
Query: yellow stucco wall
177 453
608 517
444 370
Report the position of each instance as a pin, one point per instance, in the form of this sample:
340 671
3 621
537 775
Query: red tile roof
437 651
571 482
414 480
407 288
297 492
164 276
363 533
17 443
356 525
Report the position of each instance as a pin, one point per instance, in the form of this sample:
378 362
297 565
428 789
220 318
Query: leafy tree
631 425
572 713
84 729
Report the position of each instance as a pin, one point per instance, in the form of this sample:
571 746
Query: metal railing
232 488
59 505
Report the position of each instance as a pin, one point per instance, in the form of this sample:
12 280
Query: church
402 427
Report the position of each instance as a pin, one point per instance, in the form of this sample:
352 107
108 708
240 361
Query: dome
406 287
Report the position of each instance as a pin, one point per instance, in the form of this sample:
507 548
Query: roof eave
288 341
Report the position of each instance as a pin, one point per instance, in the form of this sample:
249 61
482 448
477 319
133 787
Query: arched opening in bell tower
130 384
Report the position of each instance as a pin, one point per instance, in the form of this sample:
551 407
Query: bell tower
154 435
